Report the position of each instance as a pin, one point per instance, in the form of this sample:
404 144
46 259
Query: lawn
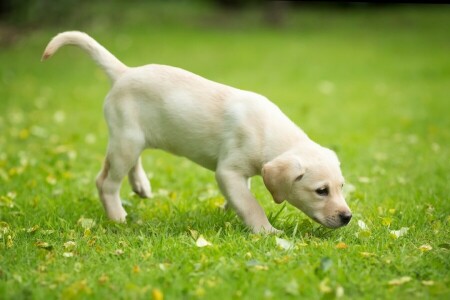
372 84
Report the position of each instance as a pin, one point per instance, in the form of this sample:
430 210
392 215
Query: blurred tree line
42 12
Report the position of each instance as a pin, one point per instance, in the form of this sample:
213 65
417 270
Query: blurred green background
370 81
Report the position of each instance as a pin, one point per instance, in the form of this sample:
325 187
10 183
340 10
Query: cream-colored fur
236 133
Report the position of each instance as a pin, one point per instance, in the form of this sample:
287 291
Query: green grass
372 84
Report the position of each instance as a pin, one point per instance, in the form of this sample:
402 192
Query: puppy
238 134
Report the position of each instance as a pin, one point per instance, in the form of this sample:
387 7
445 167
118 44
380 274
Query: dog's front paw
267 230
118 215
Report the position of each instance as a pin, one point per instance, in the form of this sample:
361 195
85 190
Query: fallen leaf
51 179
69 245
86 223
68 254
9 242
103 279
425 248
43 245
194 234
4 228
33 229
87 232
362 225
324 287
398 233
341 245
136 269
367 254
201 242
386 221
157 294
427 282
399 281
76 290
284 244
339 292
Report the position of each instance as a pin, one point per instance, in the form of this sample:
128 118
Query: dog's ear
280 173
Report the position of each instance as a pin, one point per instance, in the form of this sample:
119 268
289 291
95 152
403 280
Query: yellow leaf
194 233
86 223
103 279
324 287
33 229
428 282
87 232
4 228
50 179
201 242
43 245
283 259
425 248
398 233
400 281
9 242
367 254
136 269
157 294
386 221
341 245
69 245
260 267
24 134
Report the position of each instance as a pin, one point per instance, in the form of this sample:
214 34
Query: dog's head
310 181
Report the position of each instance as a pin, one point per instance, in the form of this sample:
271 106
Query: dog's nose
345 217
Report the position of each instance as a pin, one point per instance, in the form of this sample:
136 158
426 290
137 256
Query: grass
371 84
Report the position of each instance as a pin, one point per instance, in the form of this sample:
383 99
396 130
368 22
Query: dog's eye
322 191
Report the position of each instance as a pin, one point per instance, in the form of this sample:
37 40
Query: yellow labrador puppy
236 133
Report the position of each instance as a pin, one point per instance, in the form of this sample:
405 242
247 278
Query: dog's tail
108 62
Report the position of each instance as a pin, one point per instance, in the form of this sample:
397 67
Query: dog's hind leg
138 180
122 155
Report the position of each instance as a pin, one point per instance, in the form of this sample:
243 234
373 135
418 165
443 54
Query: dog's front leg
234 186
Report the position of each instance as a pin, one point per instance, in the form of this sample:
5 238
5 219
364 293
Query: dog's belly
189 130
202 152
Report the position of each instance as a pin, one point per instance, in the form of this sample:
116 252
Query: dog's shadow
211 222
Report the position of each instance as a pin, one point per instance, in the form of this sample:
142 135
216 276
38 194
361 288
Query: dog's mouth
329 222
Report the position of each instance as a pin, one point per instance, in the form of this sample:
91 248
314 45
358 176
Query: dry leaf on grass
399 233
284 244
399 281
201 242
